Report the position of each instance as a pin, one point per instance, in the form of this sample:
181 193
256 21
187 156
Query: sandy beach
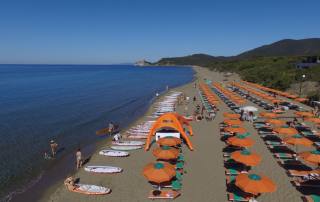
204 179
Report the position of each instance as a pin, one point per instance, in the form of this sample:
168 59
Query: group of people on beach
246 116
54 148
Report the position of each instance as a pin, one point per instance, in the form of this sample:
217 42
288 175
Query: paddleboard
113 153
91 189
125 148
103 169
102 131
128 143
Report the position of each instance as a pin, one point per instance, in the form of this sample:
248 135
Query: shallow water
68 103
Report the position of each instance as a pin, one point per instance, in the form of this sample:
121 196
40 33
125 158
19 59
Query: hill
196 59
272 65
286 47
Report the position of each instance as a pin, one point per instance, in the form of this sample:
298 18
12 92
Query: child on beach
79 158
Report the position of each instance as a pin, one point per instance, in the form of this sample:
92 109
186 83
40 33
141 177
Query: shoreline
203 166
50 179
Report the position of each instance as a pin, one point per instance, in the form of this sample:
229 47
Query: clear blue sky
116 31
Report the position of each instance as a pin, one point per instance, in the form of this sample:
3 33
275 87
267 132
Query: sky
124 31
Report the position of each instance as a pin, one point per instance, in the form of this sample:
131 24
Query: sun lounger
289 162
311 198
230 179
300 173
273 143
231 171
163 194
284 156
306 183
317 144
236 197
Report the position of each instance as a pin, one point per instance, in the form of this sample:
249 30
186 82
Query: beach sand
204 179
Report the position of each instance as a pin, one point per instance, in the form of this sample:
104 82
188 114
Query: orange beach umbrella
235 130
159 172
276 122
255 184
231 115
298 140
246 157
166 153
169 141
314 120
311 156
240 141
304 114
286 131
232 122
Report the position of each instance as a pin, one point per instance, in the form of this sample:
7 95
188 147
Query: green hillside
272 65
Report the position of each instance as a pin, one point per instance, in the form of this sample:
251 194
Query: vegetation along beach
159 101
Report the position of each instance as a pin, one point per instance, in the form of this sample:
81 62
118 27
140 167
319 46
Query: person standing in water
79 158
54 147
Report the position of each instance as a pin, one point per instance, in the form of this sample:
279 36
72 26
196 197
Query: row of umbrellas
229 94
278 92
292 137
211 97
161 171
260 94
249 183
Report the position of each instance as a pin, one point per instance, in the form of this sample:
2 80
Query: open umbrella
240 141
235 130
255 184
311 156
268 115
298 140
246 157
304 114
313 120
286 131
300 99
169 141
276 122
249 109
231 115
232 122
166 152
159 172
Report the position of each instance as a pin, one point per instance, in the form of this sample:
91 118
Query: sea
68 103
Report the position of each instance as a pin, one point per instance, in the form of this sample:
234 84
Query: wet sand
204 179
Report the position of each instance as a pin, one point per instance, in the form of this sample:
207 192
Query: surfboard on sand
125 148
91 189
103 169
113 153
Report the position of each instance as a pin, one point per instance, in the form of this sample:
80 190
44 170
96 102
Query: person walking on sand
79 158
54 147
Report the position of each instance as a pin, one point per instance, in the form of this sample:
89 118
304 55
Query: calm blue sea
68 103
